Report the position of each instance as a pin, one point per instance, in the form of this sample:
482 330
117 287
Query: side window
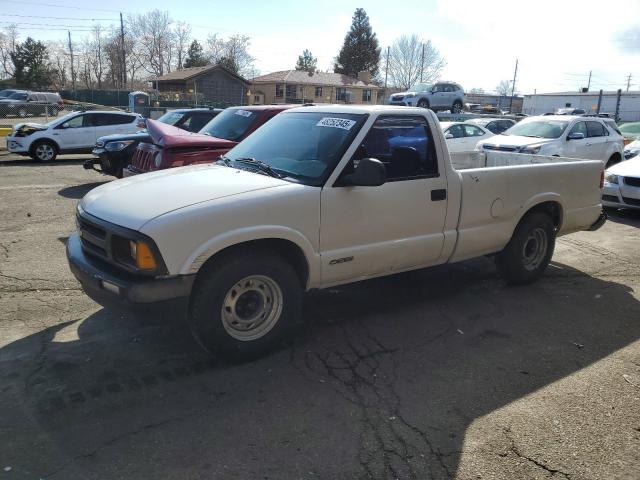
456 131
195 122
507 124
404 145
91 119
595 129
580 127
32 98
472 131
75 122
105 119
494 127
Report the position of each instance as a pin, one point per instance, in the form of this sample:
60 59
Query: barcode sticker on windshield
343 123
244 113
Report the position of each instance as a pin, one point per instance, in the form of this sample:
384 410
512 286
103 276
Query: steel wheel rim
44 152
534 249
22 113
252 307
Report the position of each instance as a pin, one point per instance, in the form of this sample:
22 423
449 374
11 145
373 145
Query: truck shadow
79 191
627 217
383 381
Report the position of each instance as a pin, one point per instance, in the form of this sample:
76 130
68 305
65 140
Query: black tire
525 257
22 112
615 158
457 107
215 288
423 103
43 151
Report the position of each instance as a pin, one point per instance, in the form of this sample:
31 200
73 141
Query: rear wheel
529 251
245 304
44 151
22 112
457 107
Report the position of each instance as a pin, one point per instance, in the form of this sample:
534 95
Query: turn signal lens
142 255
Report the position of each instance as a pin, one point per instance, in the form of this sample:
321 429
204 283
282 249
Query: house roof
189 73
317 78
591 93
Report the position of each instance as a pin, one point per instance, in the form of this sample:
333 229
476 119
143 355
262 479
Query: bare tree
408 65
154 38
182 39
232 53
8 41
504 88
59 64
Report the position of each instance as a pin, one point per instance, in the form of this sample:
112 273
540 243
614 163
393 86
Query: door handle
438 195
588 144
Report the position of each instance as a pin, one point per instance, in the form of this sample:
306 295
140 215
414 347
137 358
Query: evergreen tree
31 60
360 51
307 62
195 56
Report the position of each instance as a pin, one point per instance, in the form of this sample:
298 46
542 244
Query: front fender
248 234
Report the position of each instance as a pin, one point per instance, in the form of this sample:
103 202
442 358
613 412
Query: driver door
368 231
77 132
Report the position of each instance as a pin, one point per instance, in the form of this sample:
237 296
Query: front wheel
44 151
529 251
22 112
245 304
423 103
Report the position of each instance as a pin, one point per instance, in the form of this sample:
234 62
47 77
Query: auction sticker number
333 122
243 113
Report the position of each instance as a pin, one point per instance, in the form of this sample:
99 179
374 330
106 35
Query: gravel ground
436 374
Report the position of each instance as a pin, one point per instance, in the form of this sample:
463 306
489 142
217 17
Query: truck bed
499 187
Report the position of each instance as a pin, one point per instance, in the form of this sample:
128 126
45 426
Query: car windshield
305 146
6 93
538 128
630 128
230 124
170 118
18 96
421 87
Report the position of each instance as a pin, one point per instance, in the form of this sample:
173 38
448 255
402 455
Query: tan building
296 86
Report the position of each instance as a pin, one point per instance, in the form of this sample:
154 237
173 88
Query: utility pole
73 74
422 63
124 56
386 70
589 82
628 82
616 117
513 86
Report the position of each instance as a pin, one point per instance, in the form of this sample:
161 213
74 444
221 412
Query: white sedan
463 137
622 185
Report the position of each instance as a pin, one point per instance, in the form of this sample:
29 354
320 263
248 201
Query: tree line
154 44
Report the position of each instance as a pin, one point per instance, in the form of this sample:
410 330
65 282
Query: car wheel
22 112
44 151
423 103
243 305
457 107
529 251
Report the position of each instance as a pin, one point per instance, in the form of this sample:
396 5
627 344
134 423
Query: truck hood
516 140
119 137
168 136
131 202
628 168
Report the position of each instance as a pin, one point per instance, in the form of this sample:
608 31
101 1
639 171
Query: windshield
303 145
421 87
538 128
230 124
170 118
18 96
6 93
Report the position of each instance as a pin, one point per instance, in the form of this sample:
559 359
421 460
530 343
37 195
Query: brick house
296 86
212 84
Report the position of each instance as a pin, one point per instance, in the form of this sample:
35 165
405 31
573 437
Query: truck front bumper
109 286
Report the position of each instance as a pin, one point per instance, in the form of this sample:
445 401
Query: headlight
117 146
611 178
531 149
410 95
158 159
630 154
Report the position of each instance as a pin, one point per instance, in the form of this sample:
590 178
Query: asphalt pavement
444 373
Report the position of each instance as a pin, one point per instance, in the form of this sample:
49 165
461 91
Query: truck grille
632 201
632 181
94 239
144 157
397 98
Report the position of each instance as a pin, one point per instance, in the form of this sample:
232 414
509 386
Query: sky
556 42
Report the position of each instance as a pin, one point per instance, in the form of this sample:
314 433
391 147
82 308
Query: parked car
622 185
463 137
171 147
114 152
630 131
303 204
440 96
632 150
494 125
22 103
561 135
74 133
570 111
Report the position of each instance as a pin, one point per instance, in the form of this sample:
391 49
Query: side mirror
369 173
64 125
448 135
575 136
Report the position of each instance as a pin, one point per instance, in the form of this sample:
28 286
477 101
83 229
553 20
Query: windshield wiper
260 165
225 160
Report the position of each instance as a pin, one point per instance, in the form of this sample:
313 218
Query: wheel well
553 209
613 159
288 250
44 140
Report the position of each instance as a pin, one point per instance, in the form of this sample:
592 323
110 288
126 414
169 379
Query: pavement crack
516 450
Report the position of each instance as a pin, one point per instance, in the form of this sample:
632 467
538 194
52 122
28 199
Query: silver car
439 96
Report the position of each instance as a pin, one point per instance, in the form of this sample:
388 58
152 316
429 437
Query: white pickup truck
321 196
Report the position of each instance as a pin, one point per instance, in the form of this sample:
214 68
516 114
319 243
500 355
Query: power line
22 2
45 25
59 18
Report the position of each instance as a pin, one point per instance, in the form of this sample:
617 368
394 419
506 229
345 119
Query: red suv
173 147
